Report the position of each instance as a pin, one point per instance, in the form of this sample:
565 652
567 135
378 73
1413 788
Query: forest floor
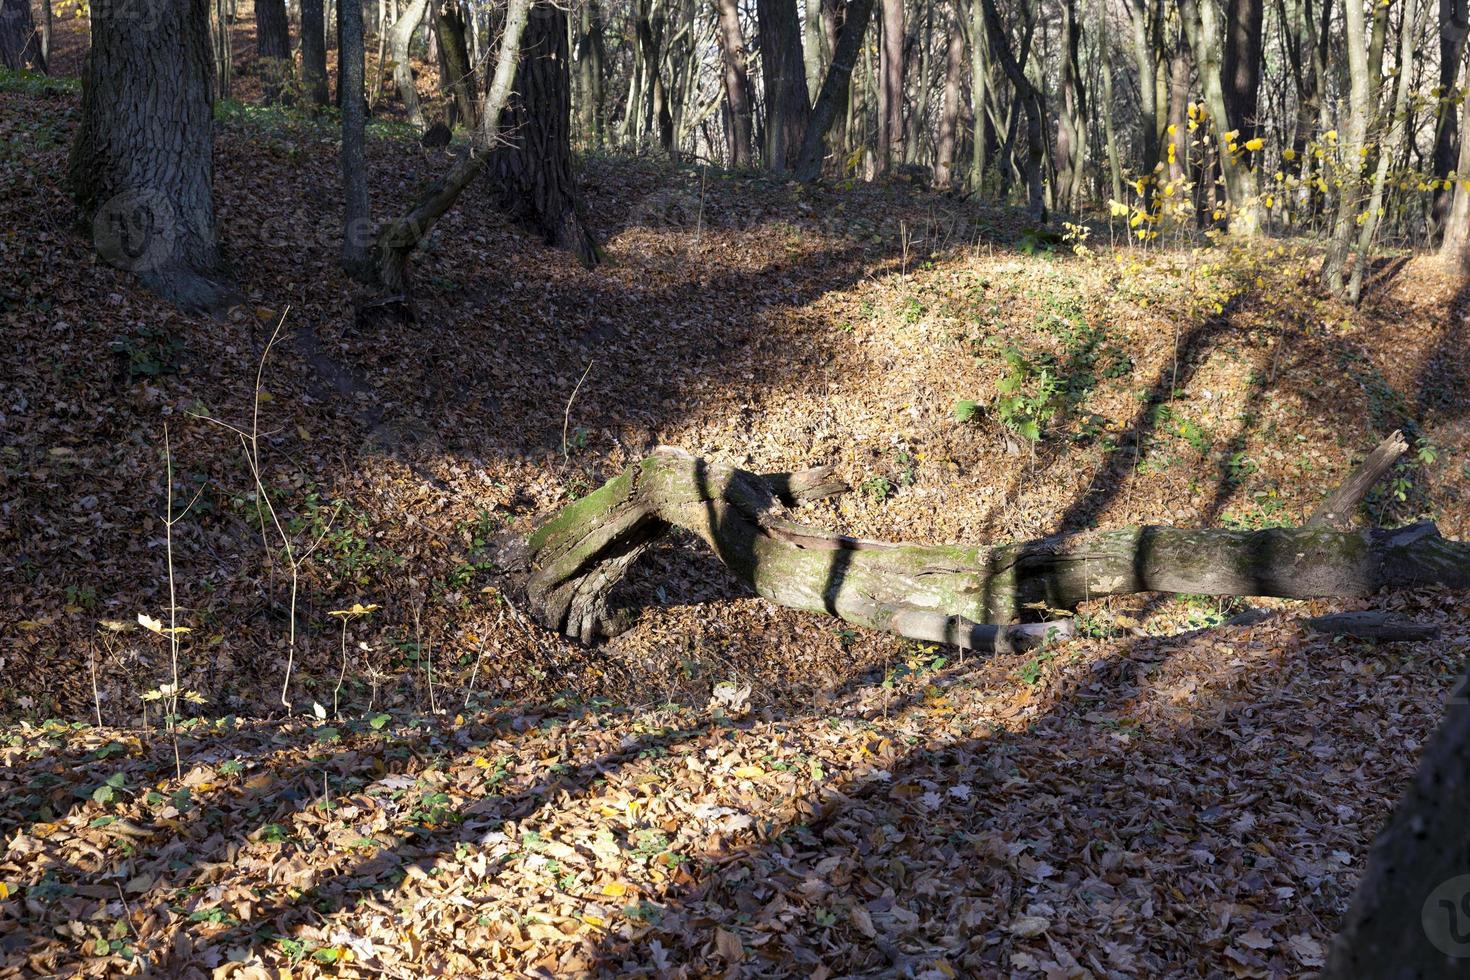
1162 796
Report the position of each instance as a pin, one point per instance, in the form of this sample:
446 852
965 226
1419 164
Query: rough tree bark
783 78
736 81
314 52
533 175
960 594
1408 918
20 42
273 46
832 99
141 167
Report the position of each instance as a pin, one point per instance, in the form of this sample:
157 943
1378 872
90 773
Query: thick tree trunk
783 81
273 46
1409 918
736 81
20 42
141 166
1240 69
832 99
314 52
533 176
936 592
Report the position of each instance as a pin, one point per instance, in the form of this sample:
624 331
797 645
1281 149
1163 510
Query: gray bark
399 41
357 219
398 238
141 167
1408 919
314 52
783 83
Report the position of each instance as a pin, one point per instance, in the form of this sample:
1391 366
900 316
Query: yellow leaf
482 763
748 772
615 889
149 623
593 920
4 891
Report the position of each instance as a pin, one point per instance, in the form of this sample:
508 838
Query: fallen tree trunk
965 595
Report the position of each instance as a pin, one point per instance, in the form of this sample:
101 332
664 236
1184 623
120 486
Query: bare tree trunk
736 81
835 88
1369 228
1454 25
273 47
811 47
890 85
1407 919
357 218
457 78
1205 33
979 77
1031 105
1349 162
399 41
1146 66
1105 57
533 175
219 43
650 46
314 51
937 593
20 43
1241 65
949 116
1455 248
398 239
141 167
590 57
783 83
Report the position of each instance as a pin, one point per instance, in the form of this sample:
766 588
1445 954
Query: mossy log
967 595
